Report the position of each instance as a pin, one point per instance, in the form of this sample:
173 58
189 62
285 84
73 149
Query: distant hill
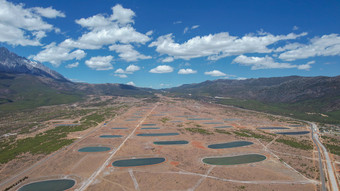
292 95
26 84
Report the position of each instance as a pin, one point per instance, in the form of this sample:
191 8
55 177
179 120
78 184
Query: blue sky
162 44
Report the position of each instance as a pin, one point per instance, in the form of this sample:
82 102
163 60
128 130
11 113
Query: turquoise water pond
94 149
230 145
49 185
234 160
216 123
110 136
137 162
148 124
170 142
156 134
293 133
221 127
197 119
273 128
231 119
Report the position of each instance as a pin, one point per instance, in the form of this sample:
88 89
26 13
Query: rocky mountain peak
12 63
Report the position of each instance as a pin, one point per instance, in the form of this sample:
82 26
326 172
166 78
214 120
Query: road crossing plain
284 167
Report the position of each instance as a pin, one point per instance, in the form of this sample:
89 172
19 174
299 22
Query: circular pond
273 128
198 119
186 116
296 125
208 123
230 145
157 115
148 124
150 128
50 185
110 136
234 160
231 119
156 134
137 162
170 142
94 149
222 127
293 133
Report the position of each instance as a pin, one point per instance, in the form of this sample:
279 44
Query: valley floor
289 162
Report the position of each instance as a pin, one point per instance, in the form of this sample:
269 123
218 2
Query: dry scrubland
291 161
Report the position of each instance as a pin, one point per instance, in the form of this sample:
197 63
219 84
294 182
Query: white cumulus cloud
187 71
267 62
132 68
122 15
306 66
215 73
162 69
131 84
24 26
108 30
73 65
168 59
56 54
127 52
129 70
48 12
121 75
195 27
149 33
326 45
100 63
220 45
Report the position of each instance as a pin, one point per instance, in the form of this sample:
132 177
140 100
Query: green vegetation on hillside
249 133
164 119
332 143
27 92
199 130
301 110
304 145
222 131
50 140
334 149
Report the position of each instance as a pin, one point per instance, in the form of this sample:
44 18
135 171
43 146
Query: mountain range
309 98
291 89
27 84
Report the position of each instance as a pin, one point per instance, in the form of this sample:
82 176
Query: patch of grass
331 139
47 142
241 134
164 119
43 143
249 133
222 131
335 149
304 145
199 130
